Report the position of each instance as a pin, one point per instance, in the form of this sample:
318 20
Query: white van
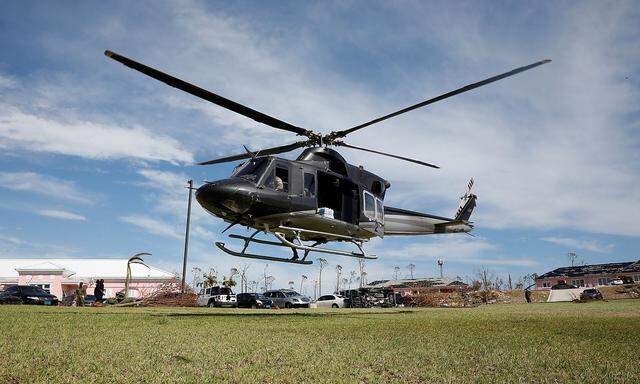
217 297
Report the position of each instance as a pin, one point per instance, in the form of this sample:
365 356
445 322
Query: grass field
588 343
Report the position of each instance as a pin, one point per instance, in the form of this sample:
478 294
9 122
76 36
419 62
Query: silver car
287 298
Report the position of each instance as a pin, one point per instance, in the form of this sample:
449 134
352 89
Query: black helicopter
319 197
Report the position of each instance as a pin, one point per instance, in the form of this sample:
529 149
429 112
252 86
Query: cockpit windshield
251 169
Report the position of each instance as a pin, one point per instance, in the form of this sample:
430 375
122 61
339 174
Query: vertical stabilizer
467 204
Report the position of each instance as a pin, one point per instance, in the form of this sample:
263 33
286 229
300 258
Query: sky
94 157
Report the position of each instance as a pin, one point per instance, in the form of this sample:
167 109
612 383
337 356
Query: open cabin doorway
340 195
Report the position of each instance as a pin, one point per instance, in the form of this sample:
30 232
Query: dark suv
27 294
590 294
253 300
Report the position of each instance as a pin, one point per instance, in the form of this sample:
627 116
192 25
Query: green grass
588 343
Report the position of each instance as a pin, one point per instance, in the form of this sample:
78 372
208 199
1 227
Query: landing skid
295 245
259 257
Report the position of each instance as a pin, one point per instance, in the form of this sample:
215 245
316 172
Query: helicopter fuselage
318 191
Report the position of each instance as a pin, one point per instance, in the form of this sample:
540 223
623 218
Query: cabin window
369 205
309 188
379 211
282 179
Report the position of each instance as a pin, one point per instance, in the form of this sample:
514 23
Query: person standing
80 292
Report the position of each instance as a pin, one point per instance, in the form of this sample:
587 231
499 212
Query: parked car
253 300
217 297
27 294
564 286
591 294
331 301
287 298
616 282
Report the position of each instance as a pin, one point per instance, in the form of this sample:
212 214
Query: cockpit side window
281 181
252 169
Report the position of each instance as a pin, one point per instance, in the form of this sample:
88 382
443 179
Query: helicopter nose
224 193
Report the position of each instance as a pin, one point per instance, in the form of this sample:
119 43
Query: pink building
61 276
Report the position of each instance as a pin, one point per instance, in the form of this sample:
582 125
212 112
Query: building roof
410 283
81 268
593 269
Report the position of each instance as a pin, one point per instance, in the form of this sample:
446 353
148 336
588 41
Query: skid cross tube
305 248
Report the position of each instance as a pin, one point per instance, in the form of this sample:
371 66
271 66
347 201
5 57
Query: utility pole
572 257
412 267
186 238
396 270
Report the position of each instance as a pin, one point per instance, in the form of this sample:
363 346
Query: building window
578 283
603 281
546 284
45 287
636 278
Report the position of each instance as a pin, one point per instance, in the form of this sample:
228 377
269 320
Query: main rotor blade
466 88
343 144
209 96
263 152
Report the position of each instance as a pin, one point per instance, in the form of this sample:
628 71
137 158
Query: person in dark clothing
99 290
527 295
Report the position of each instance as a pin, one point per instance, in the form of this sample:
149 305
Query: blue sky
94 156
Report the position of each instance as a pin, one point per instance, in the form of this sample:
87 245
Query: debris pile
169 295
440 299
626 291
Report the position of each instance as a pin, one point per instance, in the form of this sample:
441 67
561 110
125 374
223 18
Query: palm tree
338 273
352 278
396 270
302 281
362 272
291 284
210 280
269 282
135 259
322 262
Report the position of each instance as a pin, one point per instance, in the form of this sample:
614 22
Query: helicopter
318 198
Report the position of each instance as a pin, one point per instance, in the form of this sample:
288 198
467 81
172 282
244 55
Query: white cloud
60 214
27 131
46 186
153 226
589 245
11 239
7 81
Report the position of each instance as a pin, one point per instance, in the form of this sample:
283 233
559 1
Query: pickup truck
217 297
